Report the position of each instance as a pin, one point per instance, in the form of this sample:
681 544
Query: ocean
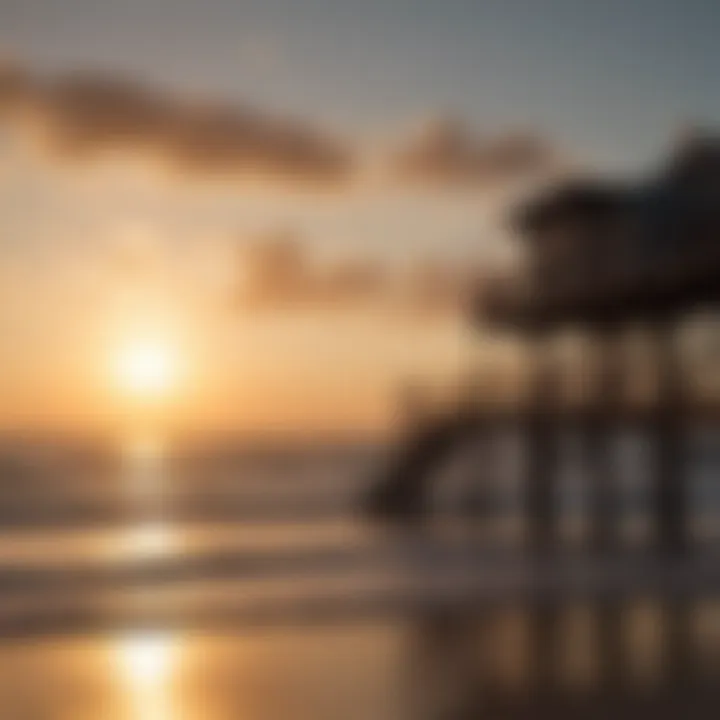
146 583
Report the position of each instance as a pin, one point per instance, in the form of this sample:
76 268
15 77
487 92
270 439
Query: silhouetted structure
601 258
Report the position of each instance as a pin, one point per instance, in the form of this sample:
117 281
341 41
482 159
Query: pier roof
579 198
601 251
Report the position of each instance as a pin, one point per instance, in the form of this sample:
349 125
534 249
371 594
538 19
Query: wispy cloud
83 115
446 152
278 273
87 115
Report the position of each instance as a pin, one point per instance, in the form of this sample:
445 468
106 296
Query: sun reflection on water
144 451
144 467
147 488
147 660
146 663
149 540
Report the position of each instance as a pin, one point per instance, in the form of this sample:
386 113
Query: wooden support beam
670 483
543 647
482 486
610 646
542 517
605 365
444 679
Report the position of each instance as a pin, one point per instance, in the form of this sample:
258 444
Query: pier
602 261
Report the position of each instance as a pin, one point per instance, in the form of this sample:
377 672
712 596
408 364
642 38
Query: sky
288 195
613 77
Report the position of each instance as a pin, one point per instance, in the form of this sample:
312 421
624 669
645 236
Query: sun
147 368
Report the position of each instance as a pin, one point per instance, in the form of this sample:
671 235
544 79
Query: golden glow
147 664
144 471
147 368
150 540
146 659
145 482
144 453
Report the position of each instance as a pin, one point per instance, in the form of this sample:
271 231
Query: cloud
86 115
278 274
446 152
83 115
